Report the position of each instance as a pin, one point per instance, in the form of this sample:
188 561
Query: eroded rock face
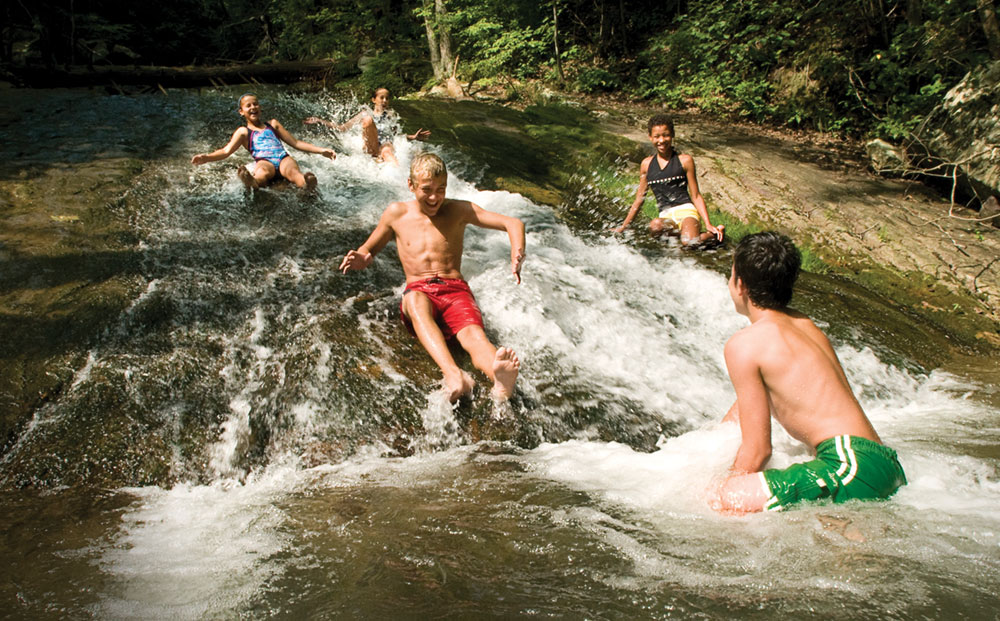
965 129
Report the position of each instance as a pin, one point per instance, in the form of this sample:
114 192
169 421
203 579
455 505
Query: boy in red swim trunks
437 304
782 365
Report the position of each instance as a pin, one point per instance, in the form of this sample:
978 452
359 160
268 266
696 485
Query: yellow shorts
679 213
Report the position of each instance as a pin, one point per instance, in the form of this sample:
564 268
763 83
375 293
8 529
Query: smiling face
662 138
250 108
429 191
381 99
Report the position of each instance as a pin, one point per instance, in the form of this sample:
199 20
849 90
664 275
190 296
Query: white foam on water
441 427
649 330
236 432
196 551
944 521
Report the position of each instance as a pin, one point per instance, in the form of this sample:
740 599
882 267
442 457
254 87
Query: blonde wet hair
427 164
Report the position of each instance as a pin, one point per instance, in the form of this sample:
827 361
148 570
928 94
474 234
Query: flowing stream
320 473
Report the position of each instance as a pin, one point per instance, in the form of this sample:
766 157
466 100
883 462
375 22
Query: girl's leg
290 170
246 177
370 134
263 171
690 231
388 154
659 226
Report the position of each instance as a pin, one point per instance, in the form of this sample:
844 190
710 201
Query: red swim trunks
453 302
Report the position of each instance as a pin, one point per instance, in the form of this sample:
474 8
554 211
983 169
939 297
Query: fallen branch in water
178 77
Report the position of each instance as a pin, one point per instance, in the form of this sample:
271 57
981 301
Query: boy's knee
656 226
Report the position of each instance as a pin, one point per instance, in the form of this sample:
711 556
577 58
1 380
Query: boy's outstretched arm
640 196
362 257
301 145
697 199
239 137
515 231
751 404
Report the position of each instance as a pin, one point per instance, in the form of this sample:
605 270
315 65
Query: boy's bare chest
424 235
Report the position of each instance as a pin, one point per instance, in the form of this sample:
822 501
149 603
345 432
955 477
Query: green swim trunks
845 467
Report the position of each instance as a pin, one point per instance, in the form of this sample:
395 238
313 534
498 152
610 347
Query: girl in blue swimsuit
264 142
379 125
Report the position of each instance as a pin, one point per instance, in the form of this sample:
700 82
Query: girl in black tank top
680 203
669 184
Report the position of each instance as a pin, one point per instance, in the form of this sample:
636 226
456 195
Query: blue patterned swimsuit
264 144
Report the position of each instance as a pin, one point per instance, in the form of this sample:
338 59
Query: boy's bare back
803 383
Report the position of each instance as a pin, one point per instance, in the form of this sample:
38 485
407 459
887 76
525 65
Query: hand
330 153
201 158
312 120
421 134
718 231
620 229
516 261
355 261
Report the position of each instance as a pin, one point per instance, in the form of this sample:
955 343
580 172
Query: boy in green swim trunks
783 366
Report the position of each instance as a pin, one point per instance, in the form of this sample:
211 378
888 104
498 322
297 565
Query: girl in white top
379 125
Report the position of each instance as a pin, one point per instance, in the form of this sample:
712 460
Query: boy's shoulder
757 340
457 203
399 208
759 333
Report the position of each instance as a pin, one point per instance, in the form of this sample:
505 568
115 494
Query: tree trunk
432 44
443 35
991 28
72 34
555 39
624 32
914 12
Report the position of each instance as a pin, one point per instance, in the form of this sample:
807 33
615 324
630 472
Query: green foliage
720 57
499 38
844 67
597 80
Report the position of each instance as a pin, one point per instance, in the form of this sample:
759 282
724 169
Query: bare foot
310 181
458 385
505 369
246 178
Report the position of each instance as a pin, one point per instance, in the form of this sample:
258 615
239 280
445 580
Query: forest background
858 68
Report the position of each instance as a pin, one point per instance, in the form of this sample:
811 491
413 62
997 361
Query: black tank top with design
669 184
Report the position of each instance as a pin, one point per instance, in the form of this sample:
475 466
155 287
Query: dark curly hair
768 264
660 119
